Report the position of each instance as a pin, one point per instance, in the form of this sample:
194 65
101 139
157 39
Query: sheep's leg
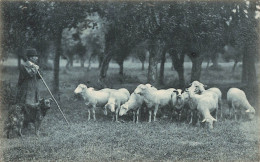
172 114
198 115
117 111
179 116
88 114
36 127
105 111
235 111
230 106
113 117
137 115
155 112
220 108
150 116
216 114
191 116
8 133
20 132
134 117
94 113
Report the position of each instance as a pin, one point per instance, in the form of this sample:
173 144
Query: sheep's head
150 87
80 89
250 113
197 87
123 109
141 89
111 105
209 121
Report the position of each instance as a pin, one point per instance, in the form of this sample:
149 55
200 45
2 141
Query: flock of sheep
202 102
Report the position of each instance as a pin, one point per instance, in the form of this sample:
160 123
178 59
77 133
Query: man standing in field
28 79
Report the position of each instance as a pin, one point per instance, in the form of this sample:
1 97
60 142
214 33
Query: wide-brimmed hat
31 52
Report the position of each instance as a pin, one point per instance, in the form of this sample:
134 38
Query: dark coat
27 92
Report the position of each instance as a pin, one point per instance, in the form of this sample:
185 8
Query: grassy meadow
104 140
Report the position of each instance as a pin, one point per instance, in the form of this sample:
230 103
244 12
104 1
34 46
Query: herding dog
21 115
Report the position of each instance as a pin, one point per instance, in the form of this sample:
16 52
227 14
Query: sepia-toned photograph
129 80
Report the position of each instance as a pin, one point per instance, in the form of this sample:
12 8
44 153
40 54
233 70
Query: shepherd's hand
33 65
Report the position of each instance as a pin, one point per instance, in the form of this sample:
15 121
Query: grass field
105 140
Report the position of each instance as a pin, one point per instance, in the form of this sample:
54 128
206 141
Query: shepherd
28 82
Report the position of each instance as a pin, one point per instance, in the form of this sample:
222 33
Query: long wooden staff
52 96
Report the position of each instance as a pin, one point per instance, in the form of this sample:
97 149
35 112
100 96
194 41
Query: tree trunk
180 72
82 61
152 68
178 61
142 65
208 61
245 67
172 68
196 60
215 60
121 69
57 62
71 60
234 66
100 60
249 76
163 59
89 61
104 65
19 61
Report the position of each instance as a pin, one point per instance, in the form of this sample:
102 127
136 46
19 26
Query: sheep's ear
205 86
175 91
203 121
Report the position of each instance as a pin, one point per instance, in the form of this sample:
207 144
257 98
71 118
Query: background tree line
199 30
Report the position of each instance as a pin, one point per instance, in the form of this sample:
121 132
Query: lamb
185 105
237 101
155 98
92 98
135 102
116 99
219 94
142 86
204 104
200 89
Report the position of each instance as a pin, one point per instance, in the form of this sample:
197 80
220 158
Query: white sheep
155 98
237 101
134 103
200 89
219 93
116 99
197 86
92 98
204 104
